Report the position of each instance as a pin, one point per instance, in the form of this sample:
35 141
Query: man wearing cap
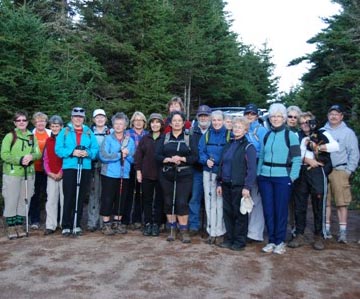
76 144
100 130
344 162
199 128
255 135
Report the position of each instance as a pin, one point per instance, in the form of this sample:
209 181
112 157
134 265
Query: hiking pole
210 201
121 181
26 202
173 205
78 181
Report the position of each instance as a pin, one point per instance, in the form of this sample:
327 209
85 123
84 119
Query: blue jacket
110 157
213 147
256 135
66 144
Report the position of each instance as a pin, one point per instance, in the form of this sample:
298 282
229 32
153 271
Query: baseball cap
98 112
251 108
78 111
156 116
336 107
203 110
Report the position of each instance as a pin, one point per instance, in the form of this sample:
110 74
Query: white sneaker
342 237
269 248
280 249
327 235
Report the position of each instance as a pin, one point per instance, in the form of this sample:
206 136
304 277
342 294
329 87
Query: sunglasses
78 110
292 116
250 113
21 120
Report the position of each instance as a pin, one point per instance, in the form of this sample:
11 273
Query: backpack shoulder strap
255 132
287 137
13 140
266 137
167 138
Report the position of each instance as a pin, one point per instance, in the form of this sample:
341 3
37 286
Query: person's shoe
11 232
219 240
35 226
269 248
77 231
172 235
119 228
280 248
210 240
185 237
92 229
318 243
66 232
236 247
327 235
297 241
225 244
107 230
137 225
147 230
131 226
342 237
20 230
193 232
48 231
155 230
293 232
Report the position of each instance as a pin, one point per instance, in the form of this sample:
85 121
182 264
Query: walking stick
173 205
78 181
26 202
121 182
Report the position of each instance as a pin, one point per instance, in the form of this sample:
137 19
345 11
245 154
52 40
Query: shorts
339 188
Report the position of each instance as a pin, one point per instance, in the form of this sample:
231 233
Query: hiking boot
225 244
35 226
318 243
236 247
118 228
155 230
297 241
342 237
269 248
327 235
11 232
77 231
147 230
185 237
107 230
92 229
193 232
280 249
48 231
210 240
137 225
21 232
66 232
172 235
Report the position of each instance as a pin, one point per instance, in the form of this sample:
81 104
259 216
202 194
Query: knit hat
203 110
78 111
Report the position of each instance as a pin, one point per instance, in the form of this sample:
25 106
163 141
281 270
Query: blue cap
251 108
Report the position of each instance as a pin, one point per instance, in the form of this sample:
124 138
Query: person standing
236 177
117 155
255 135
344 162
197 194
278 167
176 152
19 149
53 170
147 173
41 133
175 104
100 130
76 144
210 147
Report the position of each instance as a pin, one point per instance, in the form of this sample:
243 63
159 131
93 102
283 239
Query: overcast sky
285 25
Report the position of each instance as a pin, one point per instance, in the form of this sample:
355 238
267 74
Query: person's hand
210 163
139 176
26 160
124 153
245 192
219 191
313 163
177 159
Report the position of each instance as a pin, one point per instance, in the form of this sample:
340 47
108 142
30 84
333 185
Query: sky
285 25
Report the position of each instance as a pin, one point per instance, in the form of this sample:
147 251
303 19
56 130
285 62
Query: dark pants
69 188
133 206
236 224
311 182
113 196
275 194
39 193
153 201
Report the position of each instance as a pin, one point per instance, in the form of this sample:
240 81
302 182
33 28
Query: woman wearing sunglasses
19 150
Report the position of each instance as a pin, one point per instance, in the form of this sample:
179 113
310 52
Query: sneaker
342 237
327 235
155 230
219 240
318 243
21 232
119 228
107 230
269 248
280 248
48 231
77 231
147 230
11 232
185 237
35 226
297 241
66 232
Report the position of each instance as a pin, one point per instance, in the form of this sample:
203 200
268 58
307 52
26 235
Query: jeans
195 201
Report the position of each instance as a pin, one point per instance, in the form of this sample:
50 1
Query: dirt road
133 266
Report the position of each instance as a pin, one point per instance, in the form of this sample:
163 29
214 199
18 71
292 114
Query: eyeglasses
276 116
303 123
78 110
21 120
250 113
292 116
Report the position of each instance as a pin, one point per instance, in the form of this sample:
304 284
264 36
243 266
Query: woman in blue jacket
116 154
76 144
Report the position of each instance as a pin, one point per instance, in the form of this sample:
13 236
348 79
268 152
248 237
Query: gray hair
295 109
56 119
278 108
217 113
120 115
228 116
241 120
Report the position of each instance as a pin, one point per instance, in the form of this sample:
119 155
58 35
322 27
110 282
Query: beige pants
55 194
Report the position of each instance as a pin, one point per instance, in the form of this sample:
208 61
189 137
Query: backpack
186 139
287 138
207 136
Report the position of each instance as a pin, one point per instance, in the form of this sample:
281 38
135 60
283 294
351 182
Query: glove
246 205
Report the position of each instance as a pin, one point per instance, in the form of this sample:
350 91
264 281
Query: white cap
247 205
99 112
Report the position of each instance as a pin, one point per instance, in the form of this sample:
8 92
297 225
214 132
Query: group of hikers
159 171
